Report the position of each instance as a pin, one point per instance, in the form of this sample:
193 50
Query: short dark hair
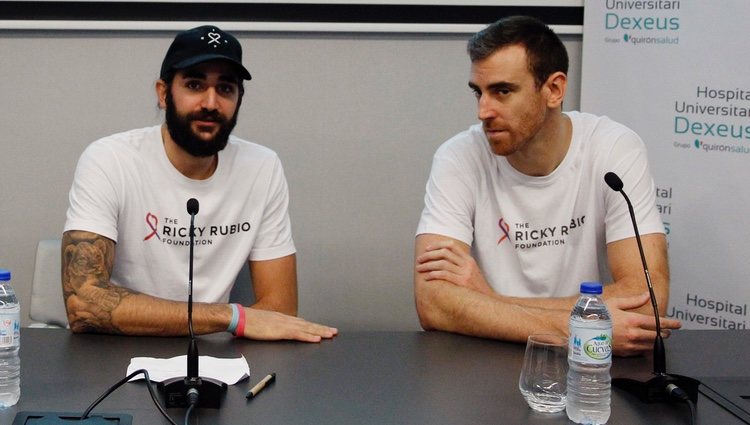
544 49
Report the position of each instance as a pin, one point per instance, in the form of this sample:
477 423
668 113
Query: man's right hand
272 325
634 333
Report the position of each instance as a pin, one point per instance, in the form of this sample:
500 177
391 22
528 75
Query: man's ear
161 93
556 85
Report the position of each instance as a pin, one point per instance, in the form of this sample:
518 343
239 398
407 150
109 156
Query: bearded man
126 239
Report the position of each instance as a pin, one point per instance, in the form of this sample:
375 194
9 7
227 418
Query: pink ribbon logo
152 221
505 228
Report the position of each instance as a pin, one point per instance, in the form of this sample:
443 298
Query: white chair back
47 305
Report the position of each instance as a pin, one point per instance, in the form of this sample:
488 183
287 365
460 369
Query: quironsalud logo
598 347
715 147
641 39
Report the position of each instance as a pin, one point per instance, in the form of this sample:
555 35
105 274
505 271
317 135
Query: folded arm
452 294
95 304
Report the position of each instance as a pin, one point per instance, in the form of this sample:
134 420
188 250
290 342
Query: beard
179 128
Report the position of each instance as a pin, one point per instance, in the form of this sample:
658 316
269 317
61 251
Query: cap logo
214 38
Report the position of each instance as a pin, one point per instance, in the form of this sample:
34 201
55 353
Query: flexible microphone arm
192 356
660 386
192 390
614 182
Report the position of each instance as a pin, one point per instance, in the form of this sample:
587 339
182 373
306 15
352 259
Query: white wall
355 119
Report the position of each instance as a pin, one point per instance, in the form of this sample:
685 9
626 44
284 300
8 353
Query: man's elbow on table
79 319
424 298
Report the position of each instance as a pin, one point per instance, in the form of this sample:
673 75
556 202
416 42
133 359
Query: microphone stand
659 386
192 389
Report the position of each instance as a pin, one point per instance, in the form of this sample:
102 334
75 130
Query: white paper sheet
229 371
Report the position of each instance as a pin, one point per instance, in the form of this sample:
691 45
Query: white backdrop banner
676 72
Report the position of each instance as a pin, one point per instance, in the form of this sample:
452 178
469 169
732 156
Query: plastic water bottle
589 358
10 342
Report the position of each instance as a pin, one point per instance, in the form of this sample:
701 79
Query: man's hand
634 333
445 260
272 325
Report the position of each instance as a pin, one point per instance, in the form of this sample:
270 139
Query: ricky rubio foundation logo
172 233
526 236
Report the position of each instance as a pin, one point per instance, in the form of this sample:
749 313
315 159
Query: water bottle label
10 330
590 345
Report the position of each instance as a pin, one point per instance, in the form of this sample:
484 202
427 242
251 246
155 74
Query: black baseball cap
201 44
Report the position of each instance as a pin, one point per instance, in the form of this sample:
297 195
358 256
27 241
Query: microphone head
192 206
613 180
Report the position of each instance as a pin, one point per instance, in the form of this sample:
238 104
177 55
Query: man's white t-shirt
126 189
541 236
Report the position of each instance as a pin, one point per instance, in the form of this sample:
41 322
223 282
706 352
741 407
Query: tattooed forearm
90 297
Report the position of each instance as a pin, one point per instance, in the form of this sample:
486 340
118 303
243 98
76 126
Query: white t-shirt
541 236
126 189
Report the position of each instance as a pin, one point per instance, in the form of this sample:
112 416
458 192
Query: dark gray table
358 378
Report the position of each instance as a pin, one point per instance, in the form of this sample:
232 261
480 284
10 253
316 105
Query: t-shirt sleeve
93 205
274 238
449 198
629 160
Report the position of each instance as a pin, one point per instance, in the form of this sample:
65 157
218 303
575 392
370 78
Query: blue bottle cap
591 288
4 274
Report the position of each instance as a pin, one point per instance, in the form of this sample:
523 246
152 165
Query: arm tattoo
90 297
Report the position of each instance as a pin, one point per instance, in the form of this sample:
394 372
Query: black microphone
192 390
192 209
659 387
612 179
